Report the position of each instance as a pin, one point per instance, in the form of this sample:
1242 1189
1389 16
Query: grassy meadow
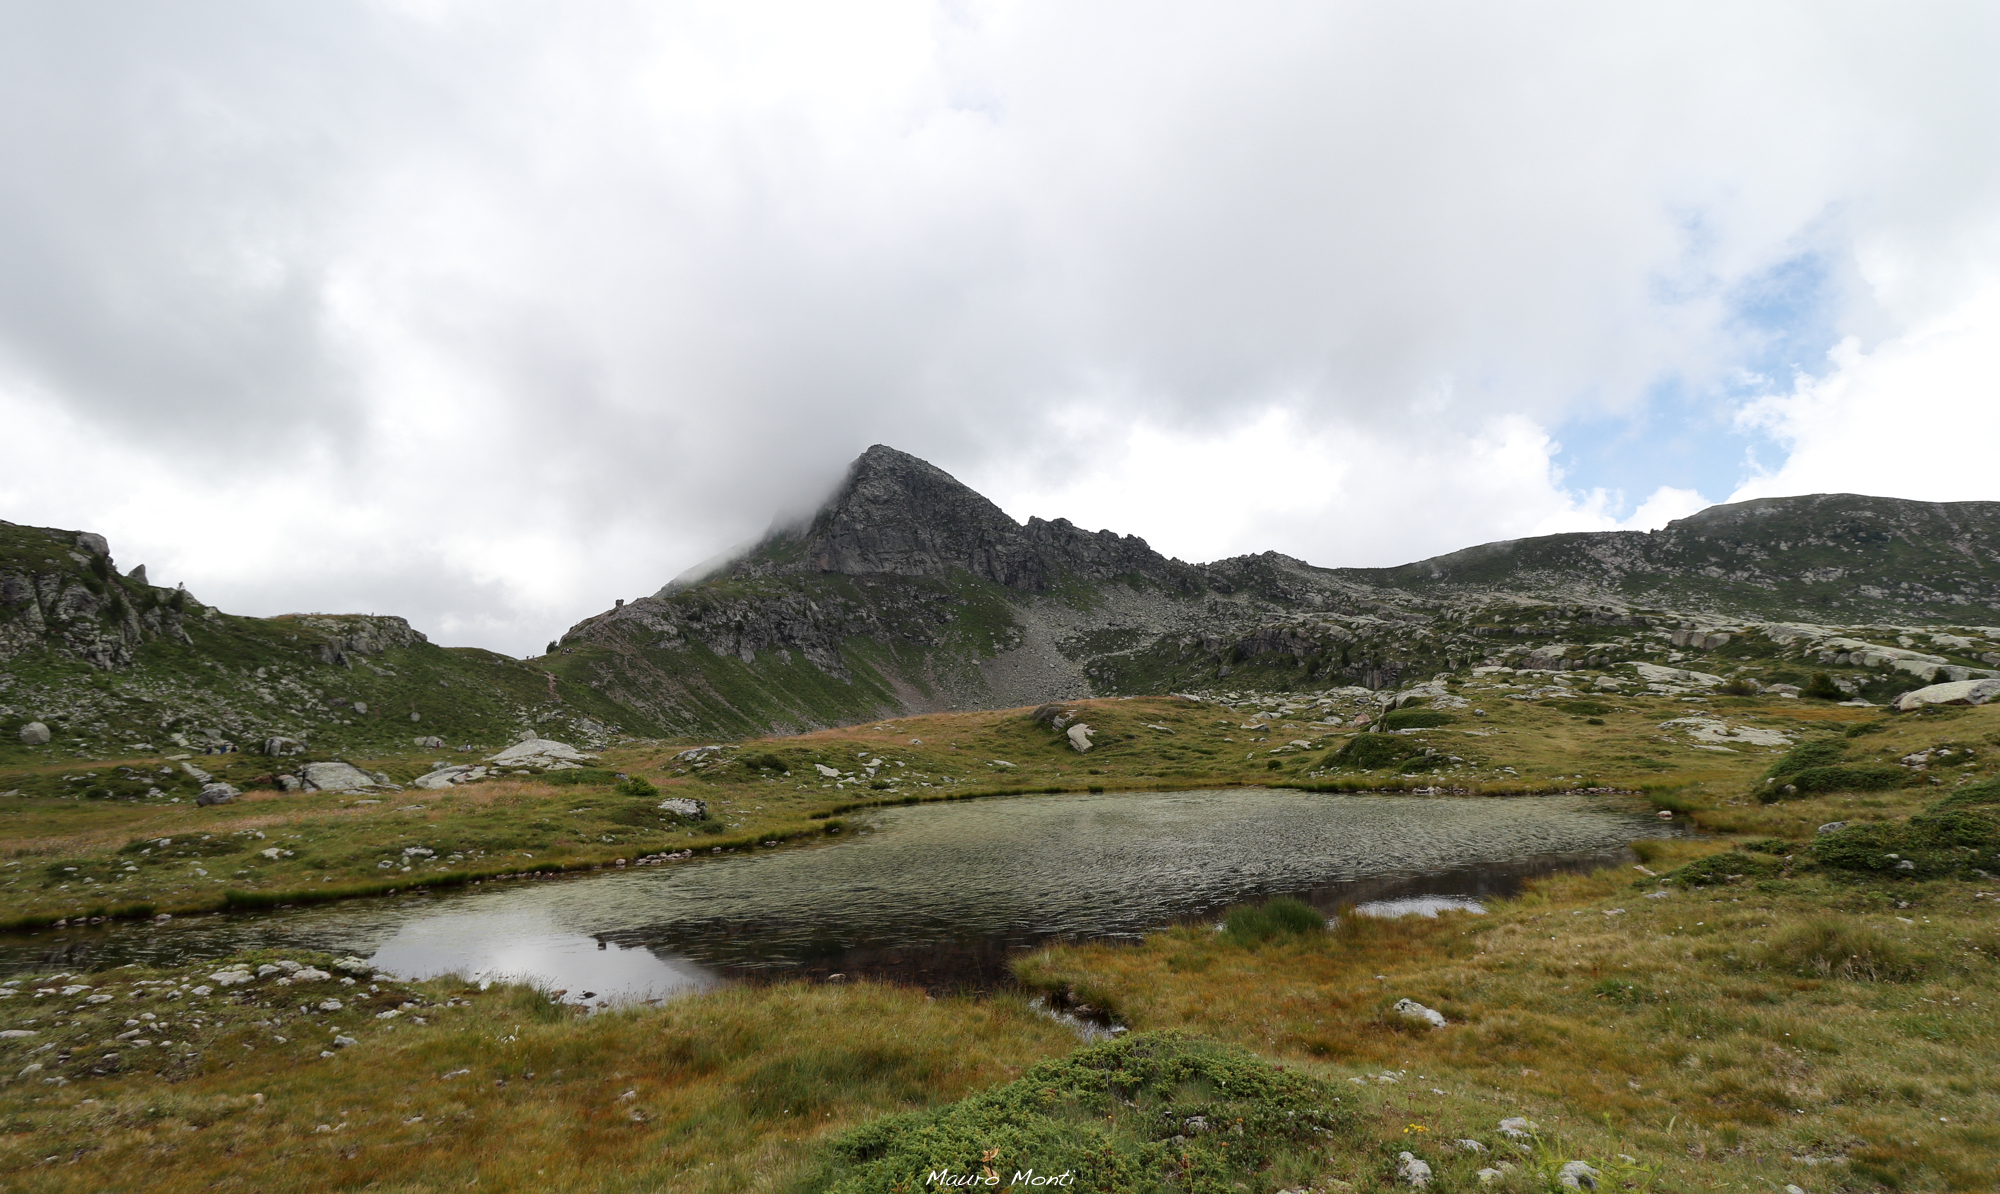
1744 1009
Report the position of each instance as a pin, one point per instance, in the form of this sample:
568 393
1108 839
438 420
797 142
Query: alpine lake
939 895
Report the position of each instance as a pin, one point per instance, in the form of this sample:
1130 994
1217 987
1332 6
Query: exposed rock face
901 516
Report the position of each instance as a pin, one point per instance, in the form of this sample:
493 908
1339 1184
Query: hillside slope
108 661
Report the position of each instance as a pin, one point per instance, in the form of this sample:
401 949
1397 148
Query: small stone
1833 827
1489 1175
1470 1146
34 734
1517 1128
1411 1171
1576 1175
342 1042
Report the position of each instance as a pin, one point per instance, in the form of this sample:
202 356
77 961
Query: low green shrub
1371 752
1416 719
1149 1111
636 786
1255 924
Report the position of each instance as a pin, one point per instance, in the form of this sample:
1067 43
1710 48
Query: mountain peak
898 514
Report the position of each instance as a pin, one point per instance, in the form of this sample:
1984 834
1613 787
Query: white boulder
336 777
540 752
1653 673
34 734
1957 692
1079 737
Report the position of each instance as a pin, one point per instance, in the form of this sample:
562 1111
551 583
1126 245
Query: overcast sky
489 313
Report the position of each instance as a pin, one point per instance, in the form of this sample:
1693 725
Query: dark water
940 895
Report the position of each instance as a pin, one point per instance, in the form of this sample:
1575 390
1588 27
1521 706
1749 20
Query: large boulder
1957 692
34 734
1079 737
444 777
279 748
540 752
1653 673
336 777
217 793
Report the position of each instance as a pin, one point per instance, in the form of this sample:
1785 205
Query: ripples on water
940 894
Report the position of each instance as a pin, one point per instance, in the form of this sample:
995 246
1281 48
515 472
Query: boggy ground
1764 1021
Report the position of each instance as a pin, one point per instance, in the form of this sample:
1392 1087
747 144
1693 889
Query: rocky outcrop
896 515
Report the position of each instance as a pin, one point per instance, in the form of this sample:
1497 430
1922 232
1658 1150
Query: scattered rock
444 777
826 771
684 806
1410 1009
1577 1176
34 734
1079 737
1515 1127
278 748
1833 827
361 707
1489 1175
1469 1146
431 742
196 774
1411 1171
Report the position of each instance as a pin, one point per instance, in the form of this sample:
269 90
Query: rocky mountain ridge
908 591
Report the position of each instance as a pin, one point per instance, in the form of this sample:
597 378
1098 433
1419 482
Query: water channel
940 895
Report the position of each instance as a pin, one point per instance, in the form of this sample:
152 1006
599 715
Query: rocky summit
909 592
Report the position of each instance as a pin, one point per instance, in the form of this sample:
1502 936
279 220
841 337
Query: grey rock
336 777
93 543
290 783
683 806
1833 827
1957 692
1516 1127
1489 1174
138 575
1410 1009
430 743
361 707
1577 1175
195 773
34 734
443 777
1411 1171
540 752
217 794
1079 737
280 747
415 716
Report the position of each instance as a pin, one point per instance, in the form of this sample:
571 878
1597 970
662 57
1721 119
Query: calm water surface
938 894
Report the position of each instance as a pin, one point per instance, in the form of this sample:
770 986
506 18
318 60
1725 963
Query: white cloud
1916 416
489 313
